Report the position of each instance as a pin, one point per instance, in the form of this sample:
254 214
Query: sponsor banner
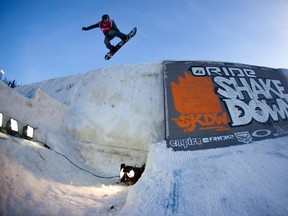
216 104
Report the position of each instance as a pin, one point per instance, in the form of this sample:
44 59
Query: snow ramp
210 105
238 180
116 115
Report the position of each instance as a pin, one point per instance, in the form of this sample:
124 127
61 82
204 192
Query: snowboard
121 43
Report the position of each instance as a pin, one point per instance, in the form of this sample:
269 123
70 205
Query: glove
84 29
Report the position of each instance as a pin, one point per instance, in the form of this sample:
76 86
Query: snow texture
95 121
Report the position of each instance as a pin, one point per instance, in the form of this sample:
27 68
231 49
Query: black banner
216 104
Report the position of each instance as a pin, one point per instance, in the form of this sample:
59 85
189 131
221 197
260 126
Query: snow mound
239 180
113 112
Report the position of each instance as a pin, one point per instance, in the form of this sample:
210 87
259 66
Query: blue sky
41 39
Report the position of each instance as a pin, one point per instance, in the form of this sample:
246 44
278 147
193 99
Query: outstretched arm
91 27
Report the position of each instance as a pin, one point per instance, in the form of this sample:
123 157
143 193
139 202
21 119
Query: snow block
217 104
114 112
41 111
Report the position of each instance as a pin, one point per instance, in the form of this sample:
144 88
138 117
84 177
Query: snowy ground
103 118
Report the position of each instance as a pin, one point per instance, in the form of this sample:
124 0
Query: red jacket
105 27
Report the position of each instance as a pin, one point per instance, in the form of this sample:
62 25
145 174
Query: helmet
105 16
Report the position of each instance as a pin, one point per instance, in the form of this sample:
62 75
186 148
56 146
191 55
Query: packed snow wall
217 104
113 112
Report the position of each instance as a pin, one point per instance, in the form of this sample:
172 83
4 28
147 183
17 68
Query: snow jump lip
218 104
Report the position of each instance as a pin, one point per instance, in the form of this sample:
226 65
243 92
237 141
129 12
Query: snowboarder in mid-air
110 30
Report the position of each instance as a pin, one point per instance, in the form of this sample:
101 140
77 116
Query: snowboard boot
112 49
125 38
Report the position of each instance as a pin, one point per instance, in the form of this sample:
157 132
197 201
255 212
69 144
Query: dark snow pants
112 34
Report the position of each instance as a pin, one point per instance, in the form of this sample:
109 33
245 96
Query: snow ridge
238 180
